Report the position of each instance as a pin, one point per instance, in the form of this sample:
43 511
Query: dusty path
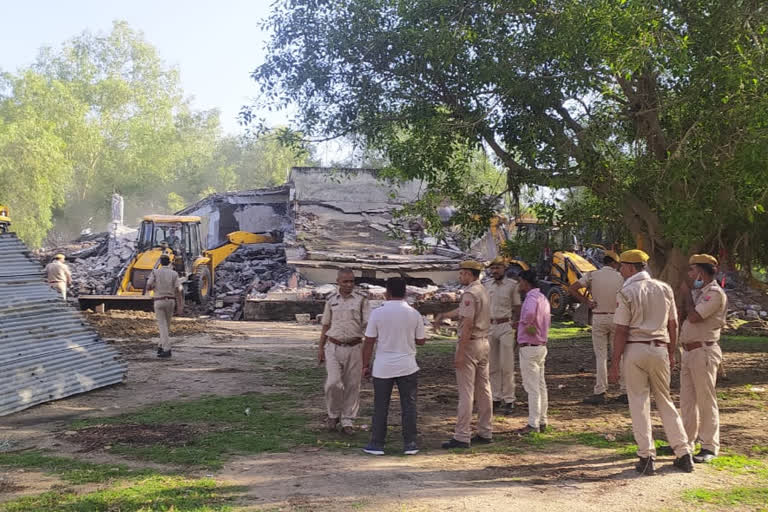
230 358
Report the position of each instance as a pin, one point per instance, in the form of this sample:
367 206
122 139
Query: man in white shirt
395 328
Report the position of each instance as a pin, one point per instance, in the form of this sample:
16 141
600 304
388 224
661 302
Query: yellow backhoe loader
5 219
178 237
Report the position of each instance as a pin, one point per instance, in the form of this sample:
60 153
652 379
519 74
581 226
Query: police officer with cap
471 361
705 309
646 332
59 275
603 284
505 310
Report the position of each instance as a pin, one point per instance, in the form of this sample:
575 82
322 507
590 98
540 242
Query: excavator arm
234 240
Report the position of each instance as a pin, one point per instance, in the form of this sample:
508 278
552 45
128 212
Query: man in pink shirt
532 331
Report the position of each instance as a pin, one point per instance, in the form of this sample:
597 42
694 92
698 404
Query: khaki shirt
712 305
476 304
603 284
645 305
58 272
347 317
503 296
165 282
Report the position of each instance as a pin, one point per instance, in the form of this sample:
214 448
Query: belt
500 320
655 343
602 312
340 343
697 344
164 298
531 344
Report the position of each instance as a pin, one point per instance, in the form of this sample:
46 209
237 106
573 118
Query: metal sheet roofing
47 350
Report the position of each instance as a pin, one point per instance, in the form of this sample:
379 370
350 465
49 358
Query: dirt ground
230 358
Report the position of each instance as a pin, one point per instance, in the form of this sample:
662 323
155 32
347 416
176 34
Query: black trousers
407 386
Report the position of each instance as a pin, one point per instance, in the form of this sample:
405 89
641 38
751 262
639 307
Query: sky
214 44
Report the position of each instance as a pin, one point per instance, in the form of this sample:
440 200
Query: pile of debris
95 260
251 269
745 301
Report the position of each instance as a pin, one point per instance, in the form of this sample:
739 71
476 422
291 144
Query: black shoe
644 466
164 354
525 430
621 399
496 405
703 456
542 427
453 443
373 449
684 463
159 350
481 440
509 409
598 399
411 448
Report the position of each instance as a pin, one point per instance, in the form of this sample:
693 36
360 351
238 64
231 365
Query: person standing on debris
532 333
168 293
705 309
505 310
59 276
395 329
646 332
344 322
603 285
471 360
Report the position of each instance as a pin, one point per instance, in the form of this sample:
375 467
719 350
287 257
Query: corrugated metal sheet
47 350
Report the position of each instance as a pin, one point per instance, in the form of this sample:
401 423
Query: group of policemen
633 316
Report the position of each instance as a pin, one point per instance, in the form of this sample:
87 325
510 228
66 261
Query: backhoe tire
200 286
558 301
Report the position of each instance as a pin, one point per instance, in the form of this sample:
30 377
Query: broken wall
255 211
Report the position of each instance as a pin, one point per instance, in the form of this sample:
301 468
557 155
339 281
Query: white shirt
397 326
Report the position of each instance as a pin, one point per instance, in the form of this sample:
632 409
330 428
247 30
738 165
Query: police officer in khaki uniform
603 285
646 332
168 296
705 309
471 361
59 276
344 321
505 310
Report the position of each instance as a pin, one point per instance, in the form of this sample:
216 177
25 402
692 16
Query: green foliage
154 493
657 108
102 114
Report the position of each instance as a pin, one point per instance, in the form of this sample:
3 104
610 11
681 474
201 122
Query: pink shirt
535 312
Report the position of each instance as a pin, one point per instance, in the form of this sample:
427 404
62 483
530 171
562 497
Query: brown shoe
348 430
332 424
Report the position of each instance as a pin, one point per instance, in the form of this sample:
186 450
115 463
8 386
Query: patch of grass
251 423
734 496
740 465
70 470
154 493
760 449
568 330
744 343
437 348
551 436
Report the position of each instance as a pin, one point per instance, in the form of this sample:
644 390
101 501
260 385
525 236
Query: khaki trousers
646 369
344 365
532 361
502 362
698 398
164 312
602 337
61 288
473 384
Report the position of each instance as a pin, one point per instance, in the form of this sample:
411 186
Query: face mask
698 283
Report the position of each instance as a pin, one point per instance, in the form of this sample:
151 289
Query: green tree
35 168
658 108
